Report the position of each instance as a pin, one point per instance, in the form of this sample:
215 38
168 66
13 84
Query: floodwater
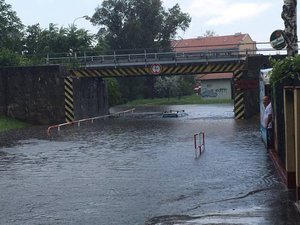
141 169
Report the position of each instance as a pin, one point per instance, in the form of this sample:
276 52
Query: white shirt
268 111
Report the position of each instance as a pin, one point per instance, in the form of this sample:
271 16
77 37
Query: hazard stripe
230 67
116 74
142 71
195 69
190 69
176 70
238 75
224 67
217 68
69 102
239 106
168 70
204 67
183 70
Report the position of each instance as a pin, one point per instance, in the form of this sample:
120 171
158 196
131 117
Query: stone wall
251 94
37 95
90 97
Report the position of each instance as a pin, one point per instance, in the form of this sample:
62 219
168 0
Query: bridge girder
172 69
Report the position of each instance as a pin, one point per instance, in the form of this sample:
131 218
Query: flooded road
141 169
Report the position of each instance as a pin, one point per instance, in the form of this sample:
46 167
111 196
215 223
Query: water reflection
139 168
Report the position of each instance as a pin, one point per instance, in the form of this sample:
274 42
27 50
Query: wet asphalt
141 169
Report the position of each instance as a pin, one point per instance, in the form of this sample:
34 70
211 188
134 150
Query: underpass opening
236 67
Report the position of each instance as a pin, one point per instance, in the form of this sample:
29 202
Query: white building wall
216 89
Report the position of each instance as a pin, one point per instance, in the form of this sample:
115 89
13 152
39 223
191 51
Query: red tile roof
215 76
204 43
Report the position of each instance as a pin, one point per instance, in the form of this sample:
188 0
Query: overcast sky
258 18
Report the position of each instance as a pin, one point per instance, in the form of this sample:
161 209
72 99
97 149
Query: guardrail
199 144
150 58
147 57
78 122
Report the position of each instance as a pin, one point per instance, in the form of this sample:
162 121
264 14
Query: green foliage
287 68
114 95
173 20
210 33
138 24
9 58
167 86
10 28
186 85
54 40
191 99
9 124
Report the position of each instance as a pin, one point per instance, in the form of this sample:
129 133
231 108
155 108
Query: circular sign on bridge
277 39
156 69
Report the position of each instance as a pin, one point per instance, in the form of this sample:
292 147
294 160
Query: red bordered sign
156 69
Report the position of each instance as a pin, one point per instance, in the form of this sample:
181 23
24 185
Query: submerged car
174 113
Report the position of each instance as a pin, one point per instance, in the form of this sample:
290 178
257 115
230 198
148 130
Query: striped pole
69 101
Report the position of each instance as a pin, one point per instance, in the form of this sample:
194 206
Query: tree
79 40
210 33
173 20
113 88
33 39
9 58
57 40
167 86
138 24
10 28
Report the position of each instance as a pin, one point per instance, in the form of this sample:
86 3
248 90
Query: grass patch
7 123
185 100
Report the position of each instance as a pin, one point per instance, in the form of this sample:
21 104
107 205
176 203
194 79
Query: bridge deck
146 59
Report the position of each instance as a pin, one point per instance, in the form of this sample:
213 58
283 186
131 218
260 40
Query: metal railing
92 119
199 144
149 57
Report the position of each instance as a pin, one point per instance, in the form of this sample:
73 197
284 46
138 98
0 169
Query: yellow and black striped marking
180 69
69 102
239 103
235 67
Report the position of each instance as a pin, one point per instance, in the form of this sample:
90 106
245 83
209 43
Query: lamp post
73 30
81 17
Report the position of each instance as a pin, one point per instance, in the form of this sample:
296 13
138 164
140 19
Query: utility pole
289 16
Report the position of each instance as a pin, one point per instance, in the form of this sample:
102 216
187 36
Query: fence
199 143
78 122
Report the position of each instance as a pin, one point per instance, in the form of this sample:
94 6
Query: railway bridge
244 66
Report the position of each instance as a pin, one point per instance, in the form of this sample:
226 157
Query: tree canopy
55 39
11 28
138 24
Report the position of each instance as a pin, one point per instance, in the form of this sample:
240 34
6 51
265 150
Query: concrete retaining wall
37 95
90 97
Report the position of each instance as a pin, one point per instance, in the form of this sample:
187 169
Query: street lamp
81 17
73 30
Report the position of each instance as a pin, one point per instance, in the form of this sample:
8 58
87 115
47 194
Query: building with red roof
231 43
218 85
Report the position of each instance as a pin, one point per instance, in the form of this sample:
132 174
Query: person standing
268 120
